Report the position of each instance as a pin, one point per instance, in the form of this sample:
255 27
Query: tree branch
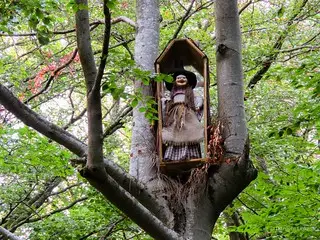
245 6
311 48
8 234
84 45
66 189
29 220
34 120
130 206
123 19
105 47
74 119
183 20
266 64
40 198
229 77
92 24
130 184
110 228
117 123
92 79
57 211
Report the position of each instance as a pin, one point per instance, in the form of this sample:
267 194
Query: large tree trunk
195 206
143 158
202 206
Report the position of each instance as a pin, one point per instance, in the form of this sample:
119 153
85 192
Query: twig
255 199
299 48
74 119
123 19
117 123
112 226
247 206
183 20
105 48
66 189
181 5
245 6
51 213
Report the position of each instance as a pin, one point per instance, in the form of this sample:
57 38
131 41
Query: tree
146 203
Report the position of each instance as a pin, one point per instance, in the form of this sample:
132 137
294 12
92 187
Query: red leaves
53 69
124 5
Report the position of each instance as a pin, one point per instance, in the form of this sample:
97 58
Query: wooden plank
196 48
181 167
186 161
159 95
205 105
164 52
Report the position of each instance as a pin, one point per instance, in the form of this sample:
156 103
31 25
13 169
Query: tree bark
95 140
229 77
143 158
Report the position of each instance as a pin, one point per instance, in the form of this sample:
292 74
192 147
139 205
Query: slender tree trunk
143 158
229 74
146 50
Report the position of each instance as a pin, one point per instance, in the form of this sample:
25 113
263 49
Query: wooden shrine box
182 53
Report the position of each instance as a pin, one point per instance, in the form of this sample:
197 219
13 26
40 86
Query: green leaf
43 38
280 11
134 102
82 6
142 109
111 4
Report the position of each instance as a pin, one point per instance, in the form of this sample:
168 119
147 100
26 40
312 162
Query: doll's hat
192 78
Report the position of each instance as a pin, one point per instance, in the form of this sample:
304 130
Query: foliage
38 38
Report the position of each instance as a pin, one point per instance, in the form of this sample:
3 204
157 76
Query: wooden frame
180 53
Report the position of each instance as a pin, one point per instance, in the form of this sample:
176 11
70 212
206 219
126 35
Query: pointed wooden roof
180 53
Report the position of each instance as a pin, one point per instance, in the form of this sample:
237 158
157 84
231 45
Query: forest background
42 195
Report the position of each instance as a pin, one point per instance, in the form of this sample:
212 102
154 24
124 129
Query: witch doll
182 131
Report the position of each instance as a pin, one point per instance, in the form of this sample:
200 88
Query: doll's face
181 80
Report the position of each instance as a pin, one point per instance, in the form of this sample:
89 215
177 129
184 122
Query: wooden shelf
181 167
